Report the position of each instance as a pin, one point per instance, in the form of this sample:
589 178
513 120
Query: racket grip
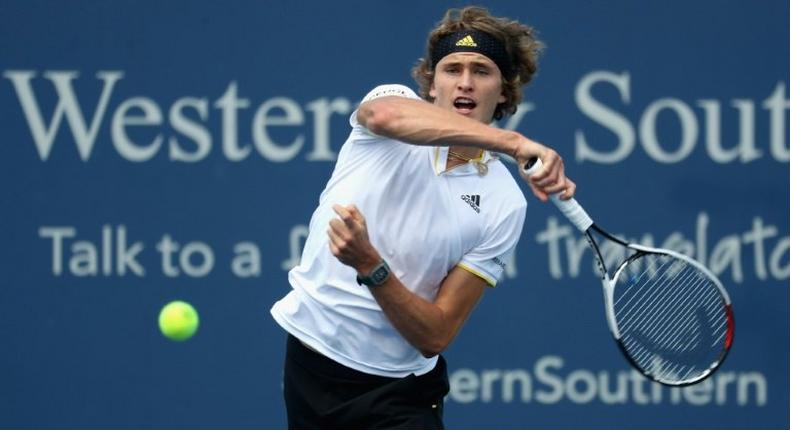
570 208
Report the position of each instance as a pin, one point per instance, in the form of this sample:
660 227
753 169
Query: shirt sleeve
382 91
489 259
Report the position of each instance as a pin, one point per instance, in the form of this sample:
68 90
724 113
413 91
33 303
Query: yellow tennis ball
178 320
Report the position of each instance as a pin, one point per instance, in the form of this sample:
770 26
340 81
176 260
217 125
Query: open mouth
464 105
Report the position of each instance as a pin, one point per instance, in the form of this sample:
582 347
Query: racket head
671 316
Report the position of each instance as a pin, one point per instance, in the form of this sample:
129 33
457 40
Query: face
468 83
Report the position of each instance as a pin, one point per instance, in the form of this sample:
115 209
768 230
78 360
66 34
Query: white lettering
777 271
509 380
727 253
722 381
688 129
757 236
606 117
84 260
584 386
322 111
44 135
203 252
768 250
292 116
229 103
638 388
57 234
189 128
489 378
699 394
745 150
151 115
777 104
620 395
581 386
126 257
167 247
464 383
760 384
543 375
247 260
84 255
552 236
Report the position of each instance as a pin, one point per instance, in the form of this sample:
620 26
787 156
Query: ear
432 91
502 97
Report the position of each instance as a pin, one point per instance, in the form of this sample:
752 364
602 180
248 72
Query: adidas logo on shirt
473 200
466 41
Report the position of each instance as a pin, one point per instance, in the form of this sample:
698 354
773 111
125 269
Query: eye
482 71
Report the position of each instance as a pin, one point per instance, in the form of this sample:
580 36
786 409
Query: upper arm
378 96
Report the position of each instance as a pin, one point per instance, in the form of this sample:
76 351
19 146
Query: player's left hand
348 239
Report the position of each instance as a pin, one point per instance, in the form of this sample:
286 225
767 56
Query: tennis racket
669 314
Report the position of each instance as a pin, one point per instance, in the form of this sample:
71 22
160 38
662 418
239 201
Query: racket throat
598 257
608 301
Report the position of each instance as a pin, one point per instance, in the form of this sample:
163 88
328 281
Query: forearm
422 323
420 123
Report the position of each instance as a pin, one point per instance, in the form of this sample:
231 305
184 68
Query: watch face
379 275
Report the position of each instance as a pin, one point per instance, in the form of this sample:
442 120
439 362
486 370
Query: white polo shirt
422 218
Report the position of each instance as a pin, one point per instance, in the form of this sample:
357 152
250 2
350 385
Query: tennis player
418 218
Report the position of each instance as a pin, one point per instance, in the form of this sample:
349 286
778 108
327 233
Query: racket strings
661 323
651 294
688 322
667 299
671 317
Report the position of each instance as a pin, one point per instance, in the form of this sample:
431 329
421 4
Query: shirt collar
440 154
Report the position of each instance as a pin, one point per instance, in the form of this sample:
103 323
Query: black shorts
321 394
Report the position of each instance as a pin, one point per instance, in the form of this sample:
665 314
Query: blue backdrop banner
154 151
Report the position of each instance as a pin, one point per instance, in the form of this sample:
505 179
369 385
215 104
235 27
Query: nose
465 83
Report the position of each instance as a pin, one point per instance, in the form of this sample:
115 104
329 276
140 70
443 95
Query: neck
462 154
465 152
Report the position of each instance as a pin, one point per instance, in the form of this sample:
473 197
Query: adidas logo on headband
467 41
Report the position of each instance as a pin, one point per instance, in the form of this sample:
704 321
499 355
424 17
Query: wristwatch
376 277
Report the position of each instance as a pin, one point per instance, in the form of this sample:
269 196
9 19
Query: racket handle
570 208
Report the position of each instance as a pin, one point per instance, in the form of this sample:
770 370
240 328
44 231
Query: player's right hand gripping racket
670 315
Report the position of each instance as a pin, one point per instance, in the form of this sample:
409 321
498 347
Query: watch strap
377 276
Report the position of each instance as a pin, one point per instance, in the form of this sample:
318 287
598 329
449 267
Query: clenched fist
348 239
